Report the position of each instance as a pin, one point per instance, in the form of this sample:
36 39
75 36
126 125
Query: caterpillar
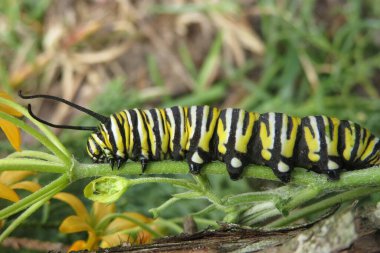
201 134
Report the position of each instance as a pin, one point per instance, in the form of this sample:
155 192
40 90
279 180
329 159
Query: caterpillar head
102 148
97 149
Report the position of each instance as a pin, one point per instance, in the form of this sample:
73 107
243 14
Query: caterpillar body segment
319 144
275 143
201 122
201 134
233 139
359 148
178 131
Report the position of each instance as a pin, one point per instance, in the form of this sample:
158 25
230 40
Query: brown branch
31 244
224 240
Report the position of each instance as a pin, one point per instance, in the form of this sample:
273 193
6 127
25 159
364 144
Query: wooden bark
345 232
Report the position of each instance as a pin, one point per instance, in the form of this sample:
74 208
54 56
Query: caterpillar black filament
201 134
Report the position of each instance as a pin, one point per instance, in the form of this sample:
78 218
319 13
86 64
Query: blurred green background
298 57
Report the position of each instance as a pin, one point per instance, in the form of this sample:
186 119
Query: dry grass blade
310 71
239 36
106 55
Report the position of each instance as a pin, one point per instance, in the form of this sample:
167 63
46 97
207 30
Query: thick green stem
31 164
369 176
179 167
353 179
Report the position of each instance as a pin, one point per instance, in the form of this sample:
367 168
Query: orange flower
11 131
11 180
104 229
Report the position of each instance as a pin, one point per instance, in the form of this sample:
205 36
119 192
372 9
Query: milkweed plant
308 193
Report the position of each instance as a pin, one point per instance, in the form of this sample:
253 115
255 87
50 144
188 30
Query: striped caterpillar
201 134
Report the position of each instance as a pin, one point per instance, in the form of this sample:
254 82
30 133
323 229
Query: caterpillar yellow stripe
201 134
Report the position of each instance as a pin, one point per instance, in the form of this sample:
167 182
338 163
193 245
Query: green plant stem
205 189
264 216
250 197
339 198
170 224
166 204
180 167
205 210
29 211
301 197
177 182
205 222
31 164
351 179
49 190
199 188
257 210
215 200
40 137
35 155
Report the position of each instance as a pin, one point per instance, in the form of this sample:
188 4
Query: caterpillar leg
282 171
196 161
112 163
120 161
333 174
144 163
235 167
331 167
